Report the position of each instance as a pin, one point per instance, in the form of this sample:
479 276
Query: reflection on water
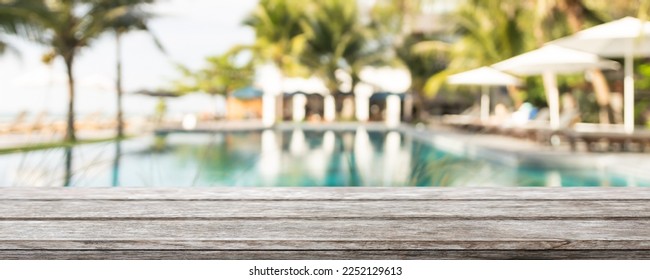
68 167
278 158
115 182
553 179
362 158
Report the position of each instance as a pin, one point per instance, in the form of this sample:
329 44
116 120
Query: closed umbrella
549 61
627 37
485 77
248 93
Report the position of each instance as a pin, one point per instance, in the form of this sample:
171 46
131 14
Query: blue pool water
278 158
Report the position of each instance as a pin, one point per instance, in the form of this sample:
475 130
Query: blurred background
85 71
428 39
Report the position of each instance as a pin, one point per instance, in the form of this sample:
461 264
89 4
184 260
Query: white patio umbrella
549 61
627 37
484 77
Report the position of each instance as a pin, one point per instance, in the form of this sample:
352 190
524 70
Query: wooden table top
325 223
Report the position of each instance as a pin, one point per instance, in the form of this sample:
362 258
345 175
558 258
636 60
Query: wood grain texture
336 209
330 255
324 194
323 223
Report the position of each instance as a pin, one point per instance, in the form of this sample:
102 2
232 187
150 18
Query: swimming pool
282 157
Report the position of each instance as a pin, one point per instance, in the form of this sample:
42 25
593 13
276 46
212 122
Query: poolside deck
325 223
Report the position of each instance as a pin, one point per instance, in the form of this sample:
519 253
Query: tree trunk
514 93
116 164
419 106
575 17
601 88
279 102
118 85
70 130
67 176
603 95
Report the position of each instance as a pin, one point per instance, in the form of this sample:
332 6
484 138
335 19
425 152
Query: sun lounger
92 121
468 119
529 129
539 129
544 133
36 125
17 122
608 138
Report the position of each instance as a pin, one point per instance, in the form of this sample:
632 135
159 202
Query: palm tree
490 31
68 26
13 22
485 32
128 16
367 47
424 55
557 18
422 65
278 36
336 39
6 24
221 75
3 29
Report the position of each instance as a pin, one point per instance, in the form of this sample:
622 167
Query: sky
190 30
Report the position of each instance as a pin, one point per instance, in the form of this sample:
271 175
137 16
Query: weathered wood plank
445 209
339 223
333 255
335 230
323 245
364 193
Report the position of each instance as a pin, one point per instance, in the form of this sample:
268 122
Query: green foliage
422 64
67 26
278 33
424 55
487 31
57 144
13 22
126 15
337 39
642 81
534 92
587 105
221 75
305 38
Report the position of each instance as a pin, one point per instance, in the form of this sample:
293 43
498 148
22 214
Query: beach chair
539 129
608 138
544 133
15 125
527 129
89 122
468 119
35 126
501 118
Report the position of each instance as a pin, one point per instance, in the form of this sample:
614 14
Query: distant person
501 114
